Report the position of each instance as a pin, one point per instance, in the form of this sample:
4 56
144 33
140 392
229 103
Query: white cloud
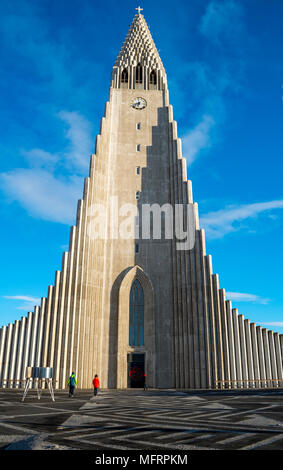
38 158
78 133
272 323
198 138
243 297
29 301
42 194
22 297
219 223
44 191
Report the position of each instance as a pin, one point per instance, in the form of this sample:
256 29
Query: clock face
138 103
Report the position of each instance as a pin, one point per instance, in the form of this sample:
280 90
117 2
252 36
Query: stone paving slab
137 420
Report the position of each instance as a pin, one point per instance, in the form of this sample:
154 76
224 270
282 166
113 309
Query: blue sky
224 68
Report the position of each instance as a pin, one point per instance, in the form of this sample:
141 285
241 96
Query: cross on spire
139 10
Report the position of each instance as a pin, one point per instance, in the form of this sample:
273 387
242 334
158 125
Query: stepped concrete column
20 352
249 352
225 342
13 356
231 343
273 362
255 354
243 347
278 358
2 351
7 355
261 356
239 383
33 336
267 356
26 345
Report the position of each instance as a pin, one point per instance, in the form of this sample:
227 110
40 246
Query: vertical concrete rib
219 345
53 323
250 361
203 363
255 353
46 328
67 307
59 323
273 362
39 335
34 327
225 342
7 354
211 322
239 383
13 356
26 346
20 351
243 349
267 356
262 368
278 358
207 339
2 352
231 343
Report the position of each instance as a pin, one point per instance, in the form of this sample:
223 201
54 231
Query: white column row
253 354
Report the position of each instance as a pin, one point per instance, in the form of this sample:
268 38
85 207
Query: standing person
144 384
72 382
95 384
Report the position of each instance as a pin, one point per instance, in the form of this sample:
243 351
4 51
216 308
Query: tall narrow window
138 126
136 323
153 78
138 147
139 73
124 76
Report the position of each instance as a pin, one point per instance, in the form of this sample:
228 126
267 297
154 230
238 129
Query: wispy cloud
272 323
50 188
22 297
222 22
78 134
198 138
243 297
219 223
29 301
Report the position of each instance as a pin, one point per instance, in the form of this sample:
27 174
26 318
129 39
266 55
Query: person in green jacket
72 382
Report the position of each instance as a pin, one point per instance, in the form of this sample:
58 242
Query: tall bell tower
136 295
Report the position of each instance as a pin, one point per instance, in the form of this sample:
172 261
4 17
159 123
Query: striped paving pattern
152 420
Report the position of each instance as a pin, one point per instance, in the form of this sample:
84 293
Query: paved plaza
134 419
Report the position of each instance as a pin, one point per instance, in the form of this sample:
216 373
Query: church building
136 298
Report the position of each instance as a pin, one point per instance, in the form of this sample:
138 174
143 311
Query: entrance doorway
135 370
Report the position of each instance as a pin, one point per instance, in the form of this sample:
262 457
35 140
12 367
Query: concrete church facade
128 301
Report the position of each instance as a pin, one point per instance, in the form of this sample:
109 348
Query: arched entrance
136 330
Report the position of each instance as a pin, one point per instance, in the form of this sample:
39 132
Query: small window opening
138 126
124 76
153 78
138 170
139 73
138 147
137 194
136 248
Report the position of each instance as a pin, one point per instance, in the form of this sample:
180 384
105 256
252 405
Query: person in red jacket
95 384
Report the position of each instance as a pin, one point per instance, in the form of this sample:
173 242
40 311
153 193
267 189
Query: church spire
138 64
